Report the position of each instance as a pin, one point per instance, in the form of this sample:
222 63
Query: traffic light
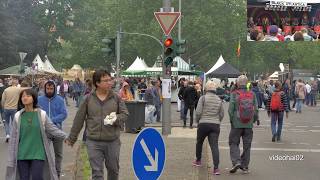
180 49
111 46
169 53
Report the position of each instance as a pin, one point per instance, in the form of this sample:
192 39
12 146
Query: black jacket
181 92
190 96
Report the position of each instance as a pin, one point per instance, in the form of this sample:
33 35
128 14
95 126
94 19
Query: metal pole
179 25
118 57
166 104
142 34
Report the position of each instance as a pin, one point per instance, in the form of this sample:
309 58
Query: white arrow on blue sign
148 155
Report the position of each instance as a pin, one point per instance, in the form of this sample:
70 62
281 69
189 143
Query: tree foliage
211 28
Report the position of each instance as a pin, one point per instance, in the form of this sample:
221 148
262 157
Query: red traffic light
168 42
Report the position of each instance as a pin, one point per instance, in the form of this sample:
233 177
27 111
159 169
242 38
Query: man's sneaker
278 138
235 168
184 126
196 163
216 172
245 170
7 138
273 138
293 109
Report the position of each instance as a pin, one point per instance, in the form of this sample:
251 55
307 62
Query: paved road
300 137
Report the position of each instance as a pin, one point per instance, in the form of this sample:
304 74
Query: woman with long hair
30 153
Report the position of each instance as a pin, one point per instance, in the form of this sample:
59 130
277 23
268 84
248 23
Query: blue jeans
33 168
313 101
182 116
308 99
299 105
276 117
8 117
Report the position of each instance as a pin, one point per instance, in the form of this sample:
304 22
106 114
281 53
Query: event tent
225 71
14 71
219 63
138 67
38 63
49 68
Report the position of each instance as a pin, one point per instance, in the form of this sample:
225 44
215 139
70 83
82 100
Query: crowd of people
247 99
277 34
33 116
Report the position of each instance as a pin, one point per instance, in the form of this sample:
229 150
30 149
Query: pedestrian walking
180 84
209 114
314 93
300 92
184 84
78 90
150 109
2 88
189 97
9 102
104 114
277 104
125 92
243 112
141 89
54 106
29 150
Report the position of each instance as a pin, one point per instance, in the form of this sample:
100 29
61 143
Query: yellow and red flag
238 49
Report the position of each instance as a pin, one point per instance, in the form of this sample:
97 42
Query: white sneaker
7 138
294 109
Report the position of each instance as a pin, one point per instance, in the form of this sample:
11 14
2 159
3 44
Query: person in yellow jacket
125 93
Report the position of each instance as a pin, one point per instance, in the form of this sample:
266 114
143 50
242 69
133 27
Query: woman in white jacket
30 153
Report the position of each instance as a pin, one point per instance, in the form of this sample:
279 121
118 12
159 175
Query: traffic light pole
118 55
166 102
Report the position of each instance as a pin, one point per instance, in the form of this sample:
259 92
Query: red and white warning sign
167 20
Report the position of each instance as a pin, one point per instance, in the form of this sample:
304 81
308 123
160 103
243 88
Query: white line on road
312 130
277 149
316 126
304 143
302 126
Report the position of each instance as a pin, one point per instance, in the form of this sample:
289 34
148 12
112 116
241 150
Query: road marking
304 143
314 130
277 149
316 126
302 126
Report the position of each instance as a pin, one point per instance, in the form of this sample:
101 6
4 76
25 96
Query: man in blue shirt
55 108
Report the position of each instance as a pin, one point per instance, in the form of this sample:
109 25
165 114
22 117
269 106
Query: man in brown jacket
103 134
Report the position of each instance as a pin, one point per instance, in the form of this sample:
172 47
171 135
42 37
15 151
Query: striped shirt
284 102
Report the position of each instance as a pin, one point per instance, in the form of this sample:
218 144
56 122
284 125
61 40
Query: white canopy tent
137 67
38 63
48 67
44 66
219 63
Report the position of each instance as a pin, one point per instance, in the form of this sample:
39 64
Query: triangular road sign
167 20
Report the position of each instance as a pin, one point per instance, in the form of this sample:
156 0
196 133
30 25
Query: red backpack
246 106
276 104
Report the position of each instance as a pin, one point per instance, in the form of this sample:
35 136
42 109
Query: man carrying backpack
243 112
277 104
